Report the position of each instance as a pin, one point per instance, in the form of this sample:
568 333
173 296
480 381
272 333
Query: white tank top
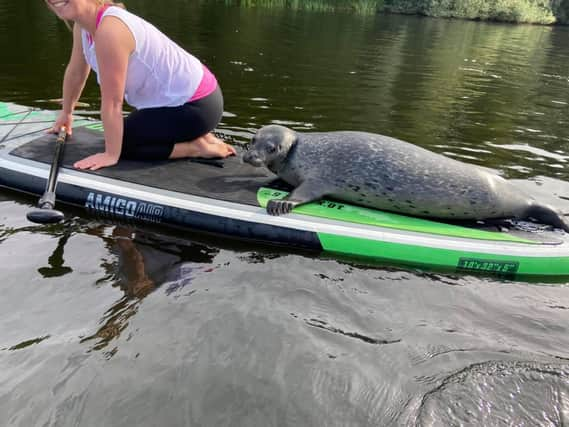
160 73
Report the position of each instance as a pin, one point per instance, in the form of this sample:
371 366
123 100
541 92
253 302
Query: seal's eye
271 149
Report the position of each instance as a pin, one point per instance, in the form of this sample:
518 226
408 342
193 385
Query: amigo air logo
123 208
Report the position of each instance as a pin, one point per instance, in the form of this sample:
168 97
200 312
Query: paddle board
227 197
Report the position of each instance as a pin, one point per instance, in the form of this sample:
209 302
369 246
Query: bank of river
514 11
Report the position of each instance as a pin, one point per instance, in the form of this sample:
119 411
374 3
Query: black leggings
150 133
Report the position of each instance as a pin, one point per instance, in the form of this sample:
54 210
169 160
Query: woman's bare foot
206 146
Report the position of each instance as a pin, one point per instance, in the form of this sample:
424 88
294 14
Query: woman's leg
207 146
176 132
205 113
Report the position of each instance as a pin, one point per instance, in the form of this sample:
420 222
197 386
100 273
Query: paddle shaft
47 201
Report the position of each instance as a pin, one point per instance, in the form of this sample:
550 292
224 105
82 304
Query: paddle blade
44 216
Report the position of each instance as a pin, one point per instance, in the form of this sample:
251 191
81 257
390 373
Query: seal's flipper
280 207
306 192
547 215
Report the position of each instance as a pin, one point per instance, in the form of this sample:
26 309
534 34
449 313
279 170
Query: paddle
45 214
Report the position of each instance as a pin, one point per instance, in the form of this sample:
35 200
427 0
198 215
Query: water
109 324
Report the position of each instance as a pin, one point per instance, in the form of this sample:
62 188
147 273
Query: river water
107 324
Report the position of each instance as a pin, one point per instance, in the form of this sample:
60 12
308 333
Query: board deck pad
229 179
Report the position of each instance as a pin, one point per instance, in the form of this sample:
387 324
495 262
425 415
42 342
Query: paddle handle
47 201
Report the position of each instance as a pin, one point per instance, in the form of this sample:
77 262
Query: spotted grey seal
387 174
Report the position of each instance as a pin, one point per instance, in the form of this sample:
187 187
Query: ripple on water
499 394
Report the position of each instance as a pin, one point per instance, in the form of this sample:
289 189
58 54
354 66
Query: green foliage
520 11
534 11
365 7
561 10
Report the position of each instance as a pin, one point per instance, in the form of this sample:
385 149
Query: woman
177 99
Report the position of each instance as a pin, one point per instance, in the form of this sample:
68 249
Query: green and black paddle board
228 198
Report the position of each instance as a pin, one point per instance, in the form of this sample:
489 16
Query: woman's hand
63 120
96 161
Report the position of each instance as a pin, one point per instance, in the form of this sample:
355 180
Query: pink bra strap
99 17
100 14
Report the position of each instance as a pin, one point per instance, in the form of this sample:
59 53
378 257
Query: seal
388 174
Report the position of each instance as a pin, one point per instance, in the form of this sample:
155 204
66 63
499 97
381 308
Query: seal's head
270 147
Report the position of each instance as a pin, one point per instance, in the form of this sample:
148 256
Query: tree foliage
518 11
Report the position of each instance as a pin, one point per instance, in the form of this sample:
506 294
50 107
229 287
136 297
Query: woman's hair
100 3
112 3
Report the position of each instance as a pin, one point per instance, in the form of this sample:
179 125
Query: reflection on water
56 261
143 264
106 324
